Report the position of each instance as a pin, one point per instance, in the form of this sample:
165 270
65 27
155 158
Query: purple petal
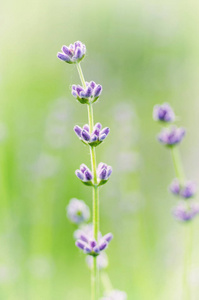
97 90
78 53
103 245
83 168
92 84
67 51
78 130
63 57
109 171
108 237
93 243
96 250
102 175
86 127
85 135
94 138
88 175
79 174
106 131
102 137
80 244
83 237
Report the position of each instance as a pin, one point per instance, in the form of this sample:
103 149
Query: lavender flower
77 211
115 295
187 190
163 113
97 136
184 212
72 54
91 246
102 261
87 95
171 136
84 174
103 173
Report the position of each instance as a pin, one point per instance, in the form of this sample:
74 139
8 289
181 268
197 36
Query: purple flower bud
103 173
175 187
83 237
97 125
92 84
108 237
106 131
88 175
171 136
79 174
63 57
93 243
109 171
87 250
88 92
185 212
75 52
94 138
103 245
102 137
85 135
80 244
163 113
86 127
83 168
188 190
67 51
96 131
96 250
97 91
78 130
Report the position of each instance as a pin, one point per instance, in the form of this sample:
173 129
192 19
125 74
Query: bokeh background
143 53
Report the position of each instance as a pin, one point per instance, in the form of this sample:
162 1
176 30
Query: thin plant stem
94 271
187 261
179 170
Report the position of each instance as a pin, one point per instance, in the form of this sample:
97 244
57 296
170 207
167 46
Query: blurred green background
143 53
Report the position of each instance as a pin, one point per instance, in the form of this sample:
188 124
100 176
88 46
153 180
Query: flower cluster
87 95
85 175
186 212
171 136
163 113
72 54
185 189
77 211
115 295
91 246
95 138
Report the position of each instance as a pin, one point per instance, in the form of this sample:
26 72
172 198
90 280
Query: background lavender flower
77 211
91 246
163 113
73 53
171 136
97 136
185 212
185 190
90 94
115 295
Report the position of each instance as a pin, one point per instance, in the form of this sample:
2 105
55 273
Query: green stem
177 164
95 271
187 261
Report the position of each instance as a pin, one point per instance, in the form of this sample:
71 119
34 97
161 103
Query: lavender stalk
186 210
91 244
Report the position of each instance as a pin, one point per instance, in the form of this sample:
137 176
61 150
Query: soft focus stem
177 164
188 229
95 271
187 261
